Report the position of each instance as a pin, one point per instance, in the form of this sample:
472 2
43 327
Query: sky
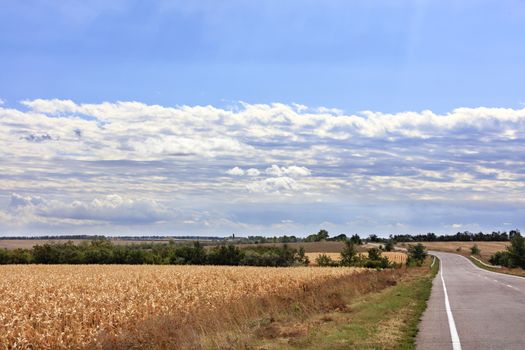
261 117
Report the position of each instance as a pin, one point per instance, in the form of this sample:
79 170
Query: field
30 243
68 306
487 248
309 247
396 257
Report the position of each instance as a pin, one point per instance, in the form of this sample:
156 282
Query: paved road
486 309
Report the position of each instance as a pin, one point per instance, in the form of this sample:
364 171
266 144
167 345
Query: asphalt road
486 310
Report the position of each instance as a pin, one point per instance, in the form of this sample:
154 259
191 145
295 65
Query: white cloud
235 171
274 184
253 172
62 152
293 171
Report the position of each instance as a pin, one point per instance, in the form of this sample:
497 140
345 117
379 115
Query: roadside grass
463 248
514 271
387 319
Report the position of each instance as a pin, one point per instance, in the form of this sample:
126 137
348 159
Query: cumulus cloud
235 171
112 209
274 184
293 171
57 149
253 172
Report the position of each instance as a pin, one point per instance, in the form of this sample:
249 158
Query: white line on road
433 261
456 345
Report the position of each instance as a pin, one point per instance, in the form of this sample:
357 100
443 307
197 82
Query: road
485 310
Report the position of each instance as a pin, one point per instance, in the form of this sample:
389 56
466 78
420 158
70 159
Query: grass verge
387 319
515 271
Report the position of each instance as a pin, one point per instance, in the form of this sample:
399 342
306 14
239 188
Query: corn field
68 306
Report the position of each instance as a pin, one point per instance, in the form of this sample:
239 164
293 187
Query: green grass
384 320
514 271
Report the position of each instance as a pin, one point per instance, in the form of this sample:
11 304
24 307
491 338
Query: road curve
487 309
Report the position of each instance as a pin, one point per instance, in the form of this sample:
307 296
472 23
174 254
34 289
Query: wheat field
69 306
395 257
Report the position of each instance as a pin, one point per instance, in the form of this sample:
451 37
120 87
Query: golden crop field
396 257
69 306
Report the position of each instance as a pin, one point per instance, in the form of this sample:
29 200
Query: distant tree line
103 251
320 236
350 257
460 236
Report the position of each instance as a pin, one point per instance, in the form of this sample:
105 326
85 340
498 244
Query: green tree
417 253
474 250
325 260
374 254
356 239
517 250
348 254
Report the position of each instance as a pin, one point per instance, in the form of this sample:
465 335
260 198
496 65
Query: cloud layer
137 168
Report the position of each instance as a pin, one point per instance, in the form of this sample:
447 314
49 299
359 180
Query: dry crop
68 306
395 257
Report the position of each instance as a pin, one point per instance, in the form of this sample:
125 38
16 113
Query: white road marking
456 345
433 261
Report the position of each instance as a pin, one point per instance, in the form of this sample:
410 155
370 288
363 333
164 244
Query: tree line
103 251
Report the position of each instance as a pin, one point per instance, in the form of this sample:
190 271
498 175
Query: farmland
395 257
65 306
487 248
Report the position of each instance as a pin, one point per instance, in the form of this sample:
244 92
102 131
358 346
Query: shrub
474 250
374 254
348 254
389 246
417 253
325 260
225 255
500 258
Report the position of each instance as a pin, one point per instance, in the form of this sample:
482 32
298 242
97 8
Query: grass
505 270
386 319
463 248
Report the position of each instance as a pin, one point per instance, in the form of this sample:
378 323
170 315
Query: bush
389 246
500 258
374 254
225 255
348 254
325 260
474 250
417 254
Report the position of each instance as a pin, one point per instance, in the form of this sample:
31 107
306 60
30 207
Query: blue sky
268 117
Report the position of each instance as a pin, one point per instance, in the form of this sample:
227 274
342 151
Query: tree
348 254
374 254
517 250
302 258
356 239
417 253
389 245
474 250
322 235
374 238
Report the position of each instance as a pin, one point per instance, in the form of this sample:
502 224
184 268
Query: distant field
487 248
396 257
76 306
311 247
30 243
